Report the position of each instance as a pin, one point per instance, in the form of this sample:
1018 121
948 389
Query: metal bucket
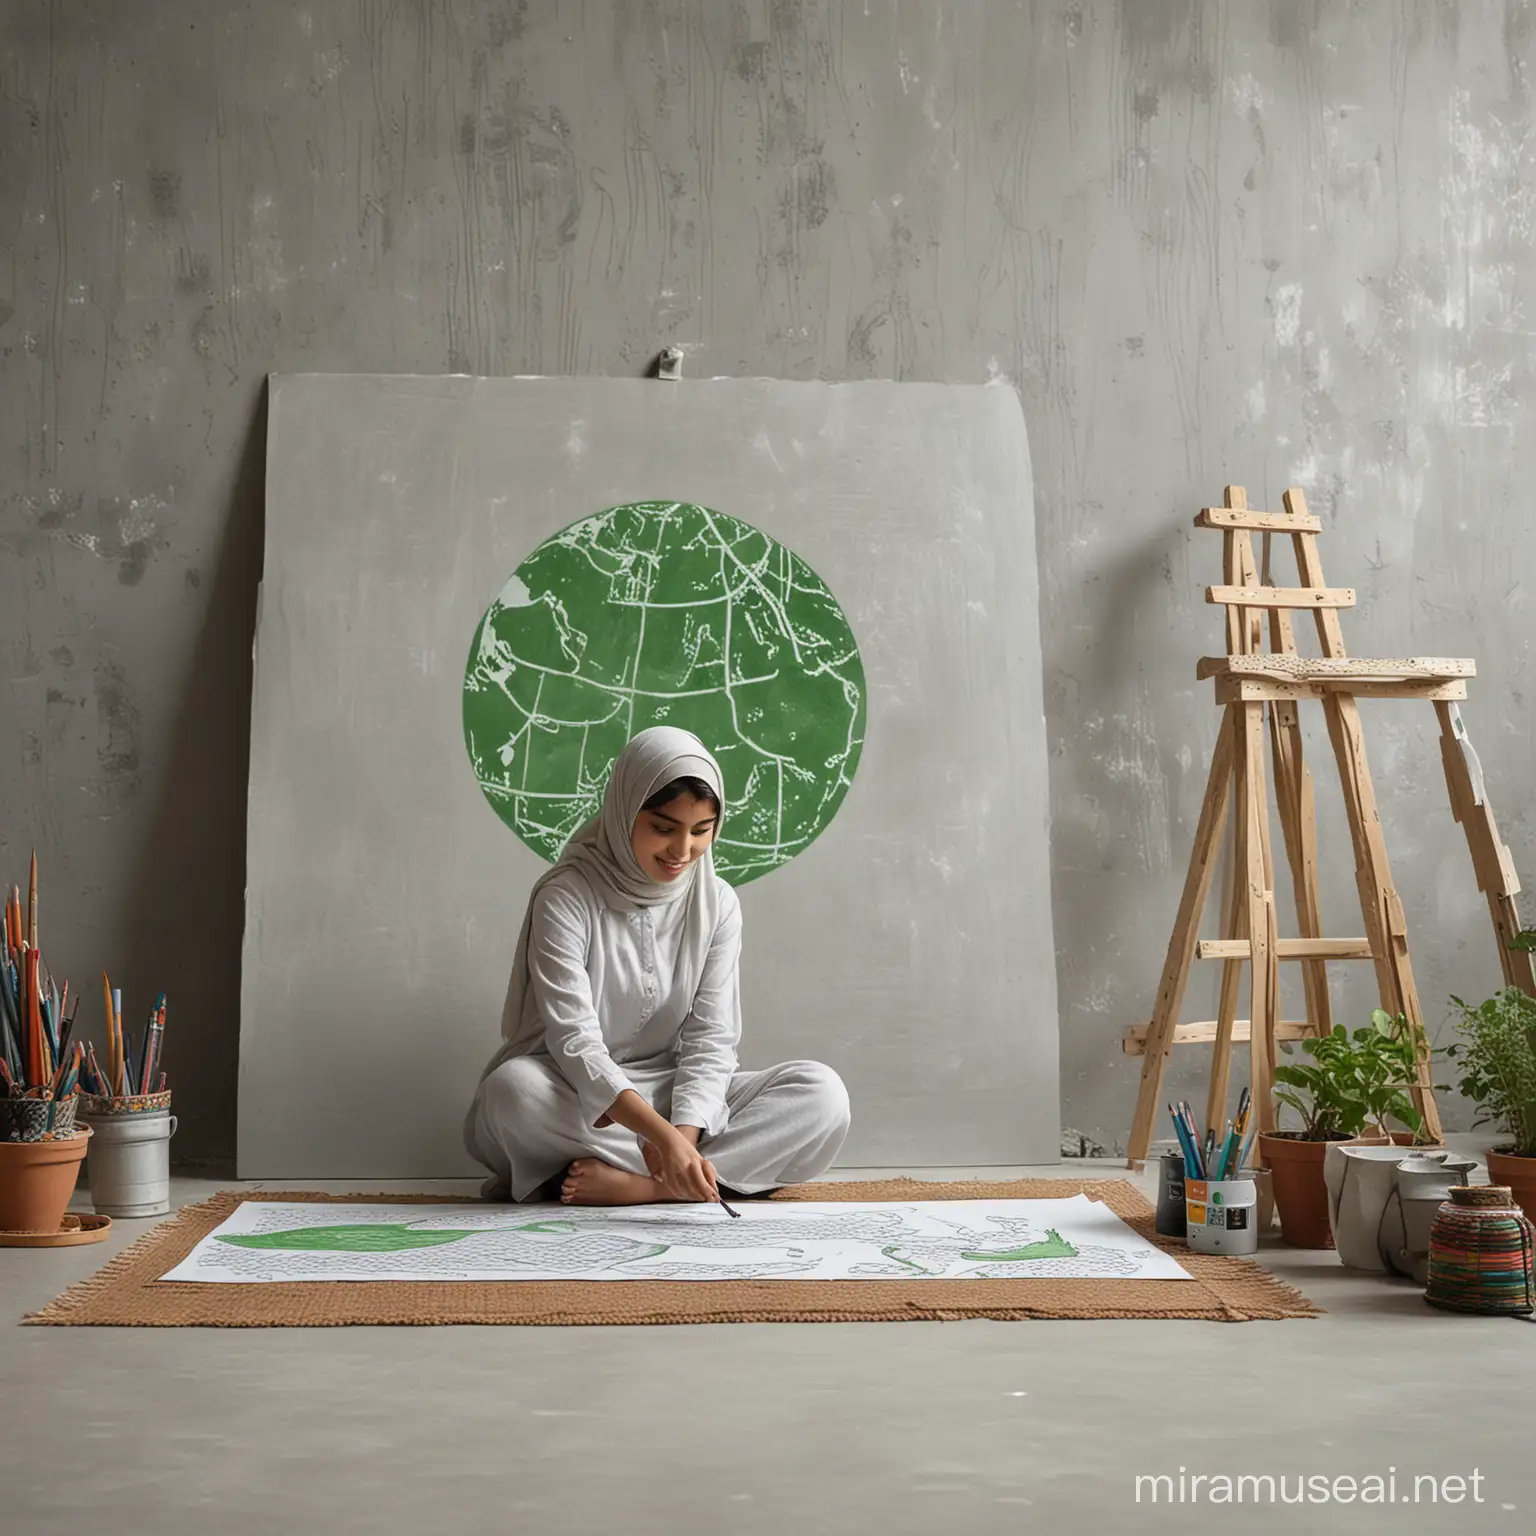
1221 1215
129 1163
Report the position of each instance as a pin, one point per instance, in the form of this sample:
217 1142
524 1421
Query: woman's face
667 840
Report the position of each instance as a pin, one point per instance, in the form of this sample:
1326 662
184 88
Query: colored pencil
153 1037
147 1048
10 1013
34 1019
1193 1134
106 993
118 1041
1228 1146
67 1028
1184 1143
32 905
1189 1152
120 1083
1178 1132
48 1002
69 1070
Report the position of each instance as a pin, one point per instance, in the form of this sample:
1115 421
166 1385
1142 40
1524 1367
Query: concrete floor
889 1428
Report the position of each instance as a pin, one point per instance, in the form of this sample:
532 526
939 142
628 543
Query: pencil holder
1221 1215
129 1164
26 1118
1170 1195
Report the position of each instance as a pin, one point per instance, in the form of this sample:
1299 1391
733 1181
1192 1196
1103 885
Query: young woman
618 1072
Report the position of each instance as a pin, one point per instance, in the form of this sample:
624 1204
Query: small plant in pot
1356 1084
1497 1055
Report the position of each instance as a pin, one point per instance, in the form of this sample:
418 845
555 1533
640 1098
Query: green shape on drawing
891 1253
362 1237
665 613
1055 1246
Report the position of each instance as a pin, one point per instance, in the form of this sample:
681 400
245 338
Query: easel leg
1253 812
1298 824
1181 944
1491 860
1382 908
1234 926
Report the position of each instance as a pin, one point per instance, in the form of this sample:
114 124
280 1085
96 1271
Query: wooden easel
1250 681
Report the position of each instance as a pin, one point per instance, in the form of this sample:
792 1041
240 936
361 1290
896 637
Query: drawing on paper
972 1239
666 613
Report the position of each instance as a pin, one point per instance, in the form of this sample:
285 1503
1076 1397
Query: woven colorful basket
1480 1254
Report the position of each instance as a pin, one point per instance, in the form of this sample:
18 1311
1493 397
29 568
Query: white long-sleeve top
603 993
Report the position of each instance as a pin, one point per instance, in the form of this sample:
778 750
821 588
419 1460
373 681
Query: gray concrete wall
1269 243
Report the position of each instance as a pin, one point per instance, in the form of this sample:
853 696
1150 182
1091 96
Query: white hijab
604 853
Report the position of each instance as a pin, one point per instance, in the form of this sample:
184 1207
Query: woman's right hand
676 1165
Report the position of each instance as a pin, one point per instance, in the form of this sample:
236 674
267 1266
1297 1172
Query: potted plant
1355 1083
1497 1053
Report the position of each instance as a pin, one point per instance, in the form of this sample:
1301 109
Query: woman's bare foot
588 1181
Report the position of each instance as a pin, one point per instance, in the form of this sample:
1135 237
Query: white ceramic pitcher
1362 1182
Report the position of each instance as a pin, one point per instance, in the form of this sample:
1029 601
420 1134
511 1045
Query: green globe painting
664 613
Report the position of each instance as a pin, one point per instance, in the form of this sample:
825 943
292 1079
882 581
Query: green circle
664 613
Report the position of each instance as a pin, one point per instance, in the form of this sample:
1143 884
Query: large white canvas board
270 1241
909 946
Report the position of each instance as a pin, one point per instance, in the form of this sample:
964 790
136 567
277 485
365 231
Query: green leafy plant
1355 1081
1497 1053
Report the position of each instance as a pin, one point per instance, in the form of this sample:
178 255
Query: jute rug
126 1292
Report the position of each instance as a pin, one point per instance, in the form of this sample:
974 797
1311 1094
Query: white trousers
785 1125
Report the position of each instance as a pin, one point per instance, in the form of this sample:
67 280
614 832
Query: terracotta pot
1519 1173
1301 1196
36 1181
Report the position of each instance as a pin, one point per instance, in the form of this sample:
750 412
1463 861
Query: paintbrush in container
149 1052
